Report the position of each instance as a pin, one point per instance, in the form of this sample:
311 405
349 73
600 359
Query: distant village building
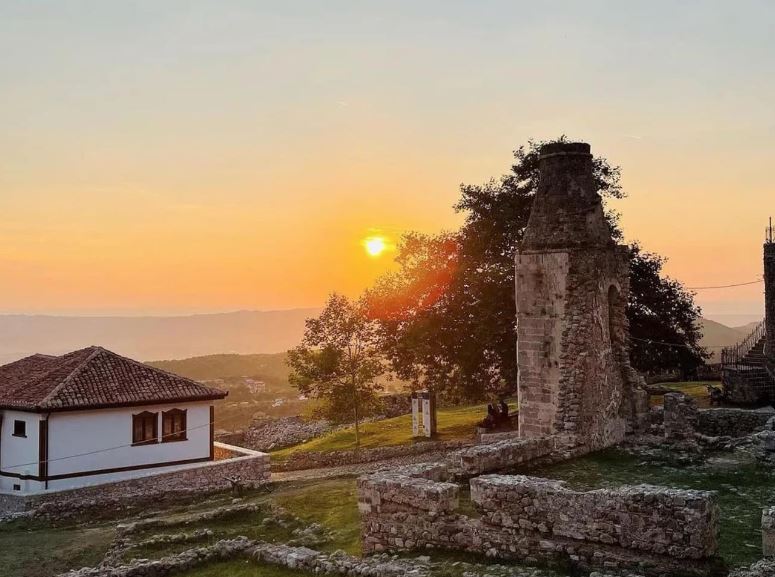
748 368
92 416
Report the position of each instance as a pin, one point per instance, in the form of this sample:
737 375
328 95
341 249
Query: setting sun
374 245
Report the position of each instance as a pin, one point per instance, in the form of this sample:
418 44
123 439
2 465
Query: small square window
19 428
17 487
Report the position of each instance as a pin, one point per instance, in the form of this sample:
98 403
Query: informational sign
415 416
423 414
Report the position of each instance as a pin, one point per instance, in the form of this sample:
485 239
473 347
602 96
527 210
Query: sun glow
374 245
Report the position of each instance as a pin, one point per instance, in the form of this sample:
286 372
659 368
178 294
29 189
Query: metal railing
735 354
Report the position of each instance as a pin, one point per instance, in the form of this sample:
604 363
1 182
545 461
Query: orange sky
204 156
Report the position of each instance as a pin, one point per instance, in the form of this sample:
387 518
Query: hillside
173 337
270 368
716 335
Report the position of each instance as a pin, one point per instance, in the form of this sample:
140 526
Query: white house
92 416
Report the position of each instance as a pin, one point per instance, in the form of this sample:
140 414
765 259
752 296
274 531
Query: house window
17 487
173 425
19 428
144 428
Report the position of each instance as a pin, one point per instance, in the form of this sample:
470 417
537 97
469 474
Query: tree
338 361
661 311
447 315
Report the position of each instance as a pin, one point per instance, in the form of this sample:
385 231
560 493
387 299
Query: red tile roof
92 378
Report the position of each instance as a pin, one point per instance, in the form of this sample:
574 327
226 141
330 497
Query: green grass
36 550
333 504
243 568
696 389
453 423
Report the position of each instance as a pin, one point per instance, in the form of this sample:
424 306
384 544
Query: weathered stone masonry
656 530
197 480
572 283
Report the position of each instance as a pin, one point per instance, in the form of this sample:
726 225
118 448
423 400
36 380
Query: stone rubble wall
271 434
647 518
768 532
506 454
300 558
655 530
681 417
725 422
254 470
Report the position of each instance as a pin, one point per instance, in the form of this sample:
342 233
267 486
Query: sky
187 156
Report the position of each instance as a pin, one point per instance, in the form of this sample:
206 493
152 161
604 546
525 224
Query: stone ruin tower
769 299
572 284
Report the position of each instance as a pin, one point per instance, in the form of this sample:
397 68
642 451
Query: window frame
170 416
146 417
23 434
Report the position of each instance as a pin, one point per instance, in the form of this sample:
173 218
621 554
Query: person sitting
504 410
491 419
716 395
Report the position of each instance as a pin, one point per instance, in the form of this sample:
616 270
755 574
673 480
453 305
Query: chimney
567 211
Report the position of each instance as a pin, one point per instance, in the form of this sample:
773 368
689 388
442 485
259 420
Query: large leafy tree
447 318
338 361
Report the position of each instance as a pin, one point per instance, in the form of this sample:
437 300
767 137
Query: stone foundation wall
507 454
254 470
656 530
645 518
731 422
768 532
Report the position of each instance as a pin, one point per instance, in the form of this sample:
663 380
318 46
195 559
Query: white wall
19 454
106 434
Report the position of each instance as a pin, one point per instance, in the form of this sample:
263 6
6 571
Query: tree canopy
446 317
339 360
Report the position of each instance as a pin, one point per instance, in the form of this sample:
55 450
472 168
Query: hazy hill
143 338
271 369
716 335
219 338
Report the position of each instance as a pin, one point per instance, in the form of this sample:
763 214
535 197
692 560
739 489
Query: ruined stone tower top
567 210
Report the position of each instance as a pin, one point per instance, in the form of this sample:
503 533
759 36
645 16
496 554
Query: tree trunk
357 419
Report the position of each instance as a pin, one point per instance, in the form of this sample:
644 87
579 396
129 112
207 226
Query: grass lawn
333 504
38 549
243 568
453 423
696 389
31 549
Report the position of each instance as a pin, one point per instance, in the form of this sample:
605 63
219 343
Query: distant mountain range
154 338
182 337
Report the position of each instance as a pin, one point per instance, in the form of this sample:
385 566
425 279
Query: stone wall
768 532
507 454
271 434
319 459
213 476
681 417
725 422
656 530
572 283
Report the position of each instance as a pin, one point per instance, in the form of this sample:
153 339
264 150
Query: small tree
338 361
